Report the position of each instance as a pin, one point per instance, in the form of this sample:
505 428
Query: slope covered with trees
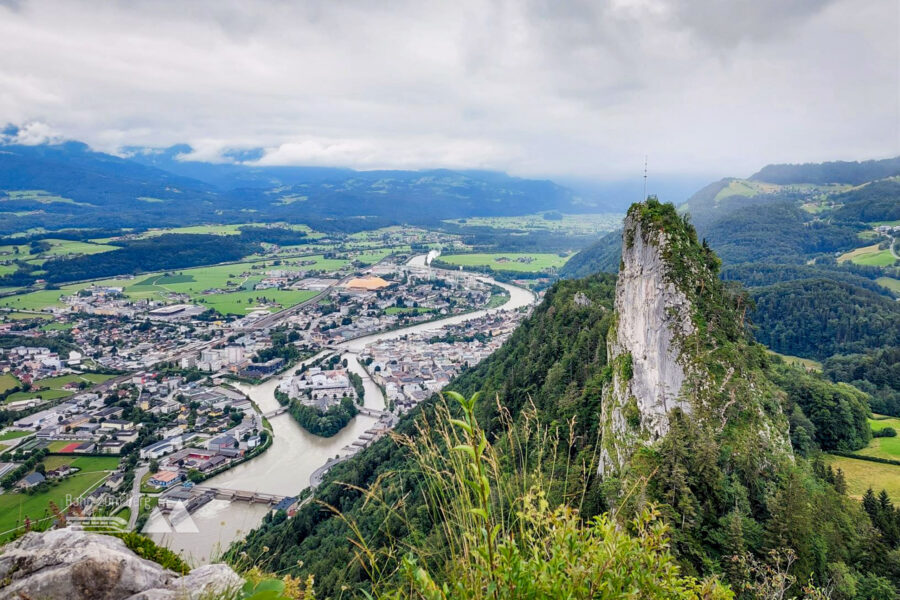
540 408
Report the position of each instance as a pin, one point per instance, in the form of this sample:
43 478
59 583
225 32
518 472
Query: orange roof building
367 283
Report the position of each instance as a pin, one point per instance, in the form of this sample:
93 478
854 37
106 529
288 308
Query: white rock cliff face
652 315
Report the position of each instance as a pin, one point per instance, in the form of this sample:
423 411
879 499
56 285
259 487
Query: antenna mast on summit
645 180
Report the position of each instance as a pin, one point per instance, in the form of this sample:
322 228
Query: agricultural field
870 256
890 283
863 474
7 382
587 224
24 316
193 282
241 303
34 300
508 261
71 247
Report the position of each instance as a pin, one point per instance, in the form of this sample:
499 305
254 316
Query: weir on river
296 455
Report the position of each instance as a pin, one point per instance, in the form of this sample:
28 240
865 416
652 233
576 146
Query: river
285 468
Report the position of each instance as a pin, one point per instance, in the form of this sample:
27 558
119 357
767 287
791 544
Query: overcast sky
550 88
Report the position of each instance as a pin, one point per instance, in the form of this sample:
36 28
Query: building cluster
413 367
30 364
319 388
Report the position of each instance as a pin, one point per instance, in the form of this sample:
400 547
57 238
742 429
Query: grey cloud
536 87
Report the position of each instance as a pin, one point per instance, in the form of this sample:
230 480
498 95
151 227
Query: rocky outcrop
677 344
76 565
644 347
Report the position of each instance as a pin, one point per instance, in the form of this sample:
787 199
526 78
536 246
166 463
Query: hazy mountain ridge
69 185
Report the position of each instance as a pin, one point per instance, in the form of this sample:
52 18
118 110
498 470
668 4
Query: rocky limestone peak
69 564
665 349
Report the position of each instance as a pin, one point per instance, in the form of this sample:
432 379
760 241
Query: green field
13 435
869 256
583 224
66 247
87 464
193 282
863 474
887 447
241 303
508 261
15 506
7 382
33 300
52 388
24 316
890 283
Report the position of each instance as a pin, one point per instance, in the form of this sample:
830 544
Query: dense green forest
876 372
853 173
601 257
820 317
876 201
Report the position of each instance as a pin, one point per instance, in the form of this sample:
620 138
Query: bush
885 432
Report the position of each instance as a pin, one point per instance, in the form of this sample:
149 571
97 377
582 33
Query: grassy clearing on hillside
65 247
508 261
863 474
890 283
197 229
887 447
808 363
870 256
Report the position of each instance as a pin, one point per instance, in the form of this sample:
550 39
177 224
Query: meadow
863 474
890 283
885 447
870 256
508 261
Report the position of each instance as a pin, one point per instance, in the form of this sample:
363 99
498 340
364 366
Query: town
134 402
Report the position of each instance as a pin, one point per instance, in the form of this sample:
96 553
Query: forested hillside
544 387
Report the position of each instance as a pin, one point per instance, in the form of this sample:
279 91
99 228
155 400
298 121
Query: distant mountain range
69 185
